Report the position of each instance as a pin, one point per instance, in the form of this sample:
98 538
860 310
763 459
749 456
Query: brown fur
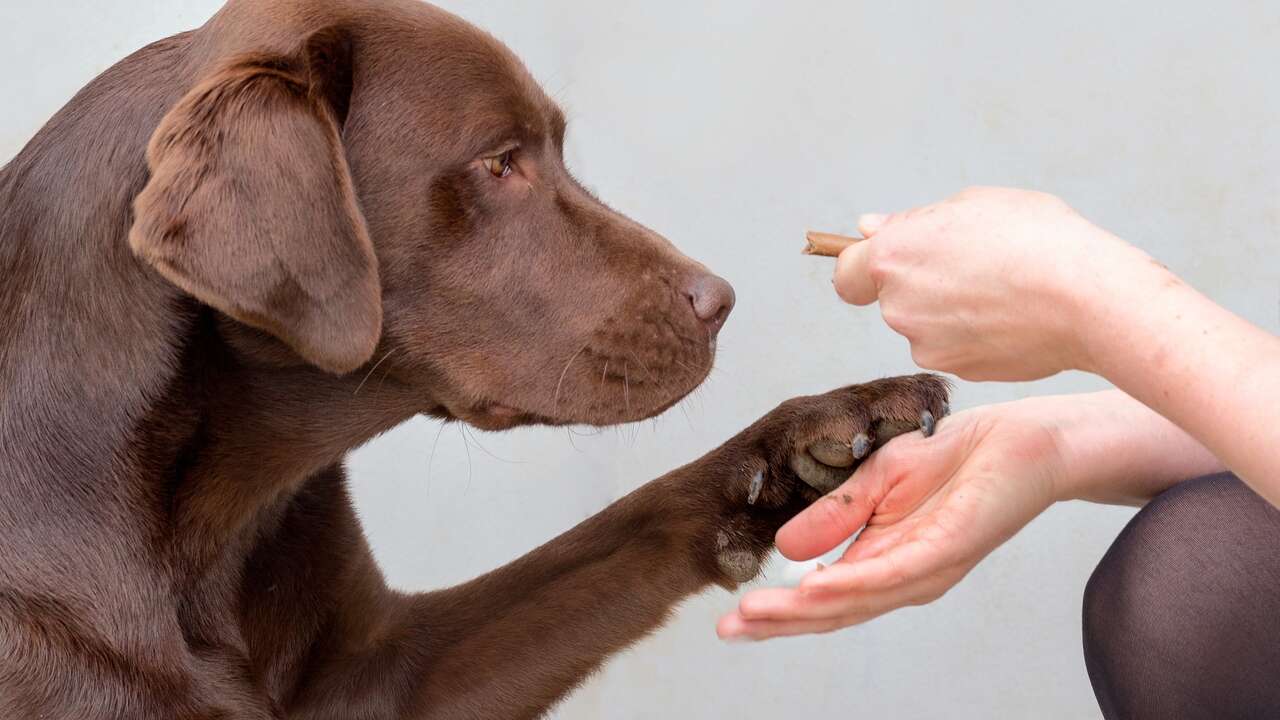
247 249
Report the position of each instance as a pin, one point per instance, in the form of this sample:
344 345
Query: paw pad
739 565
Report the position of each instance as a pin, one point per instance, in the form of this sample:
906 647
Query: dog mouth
602 393
495 417
627 366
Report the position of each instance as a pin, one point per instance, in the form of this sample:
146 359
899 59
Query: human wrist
1109 295
1084 428
1117 451
1063 421
1084 441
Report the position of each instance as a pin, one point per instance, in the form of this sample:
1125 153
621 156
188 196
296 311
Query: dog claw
861 446
757 484
928 424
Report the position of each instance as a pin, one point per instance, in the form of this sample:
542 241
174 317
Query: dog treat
828 245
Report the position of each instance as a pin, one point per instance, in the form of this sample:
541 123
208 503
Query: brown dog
203 259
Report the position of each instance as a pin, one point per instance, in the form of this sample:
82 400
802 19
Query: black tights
1182 616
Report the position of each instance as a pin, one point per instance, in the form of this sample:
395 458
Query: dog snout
712 299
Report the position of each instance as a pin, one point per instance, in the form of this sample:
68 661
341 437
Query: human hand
992 284
933 508
786 460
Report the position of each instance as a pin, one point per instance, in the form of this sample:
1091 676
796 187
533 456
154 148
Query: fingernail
871 223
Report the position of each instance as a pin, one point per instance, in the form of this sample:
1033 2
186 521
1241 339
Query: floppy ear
250 206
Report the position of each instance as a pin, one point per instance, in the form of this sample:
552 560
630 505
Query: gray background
733 126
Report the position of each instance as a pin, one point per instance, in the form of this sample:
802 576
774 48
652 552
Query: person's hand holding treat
1009 285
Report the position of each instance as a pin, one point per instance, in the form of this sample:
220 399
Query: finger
832 520
875 541
789 604
896 567
773 604
871 223
853 275
735 628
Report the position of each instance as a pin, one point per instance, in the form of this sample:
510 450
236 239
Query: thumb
853 275
880 482
833 519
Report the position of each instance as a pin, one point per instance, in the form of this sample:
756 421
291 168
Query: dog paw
855 422
805 449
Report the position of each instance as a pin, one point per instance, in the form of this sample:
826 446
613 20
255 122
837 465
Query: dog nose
712 299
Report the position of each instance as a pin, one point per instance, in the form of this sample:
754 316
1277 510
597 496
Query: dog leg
512 643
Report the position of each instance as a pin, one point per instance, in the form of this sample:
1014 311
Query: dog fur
204 259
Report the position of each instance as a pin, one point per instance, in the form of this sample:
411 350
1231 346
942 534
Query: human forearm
931 509
1007 285
1115 450
1212 373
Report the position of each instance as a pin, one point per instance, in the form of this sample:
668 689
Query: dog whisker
486 451
569 434
372 369
649 375
466 446
686 367
432 459
556 400
626 386
385 372
685 411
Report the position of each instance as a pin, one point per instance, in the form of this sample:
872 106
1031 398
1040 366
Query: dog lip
497 416
503 412
491 415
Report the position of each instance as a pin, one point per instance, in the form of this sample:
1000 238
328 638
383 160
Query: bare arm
1005 285
931 509
1117 451
1210 372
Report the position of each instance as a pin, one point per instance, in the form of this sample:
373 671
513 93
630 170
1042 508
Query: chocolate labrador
245 250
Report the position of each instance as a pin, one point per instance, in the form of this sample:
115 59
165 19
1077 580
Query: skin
1009 285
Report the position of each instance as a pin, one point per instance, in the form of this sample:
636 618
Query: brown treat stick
828 245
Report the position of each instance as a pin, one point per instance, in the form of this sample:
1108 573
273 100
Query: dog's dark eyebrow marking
497 137
500 130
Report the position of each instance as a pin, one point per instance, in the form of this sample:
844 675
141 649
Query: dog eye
499 165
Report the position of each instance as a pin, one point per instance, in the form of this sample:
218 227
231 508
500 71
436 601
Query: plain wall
733 126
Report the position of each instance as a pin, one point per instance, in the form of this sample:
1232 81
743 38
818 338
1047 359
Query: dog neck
241 458
136 367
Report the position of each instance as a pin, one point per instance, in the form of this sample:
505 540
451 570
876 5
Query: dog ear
250 206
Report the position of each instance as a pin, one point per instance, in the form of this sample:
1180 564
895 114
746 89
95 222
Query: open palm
929 510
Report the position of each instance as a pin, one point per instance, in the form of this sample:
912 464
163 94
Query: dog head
384 186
